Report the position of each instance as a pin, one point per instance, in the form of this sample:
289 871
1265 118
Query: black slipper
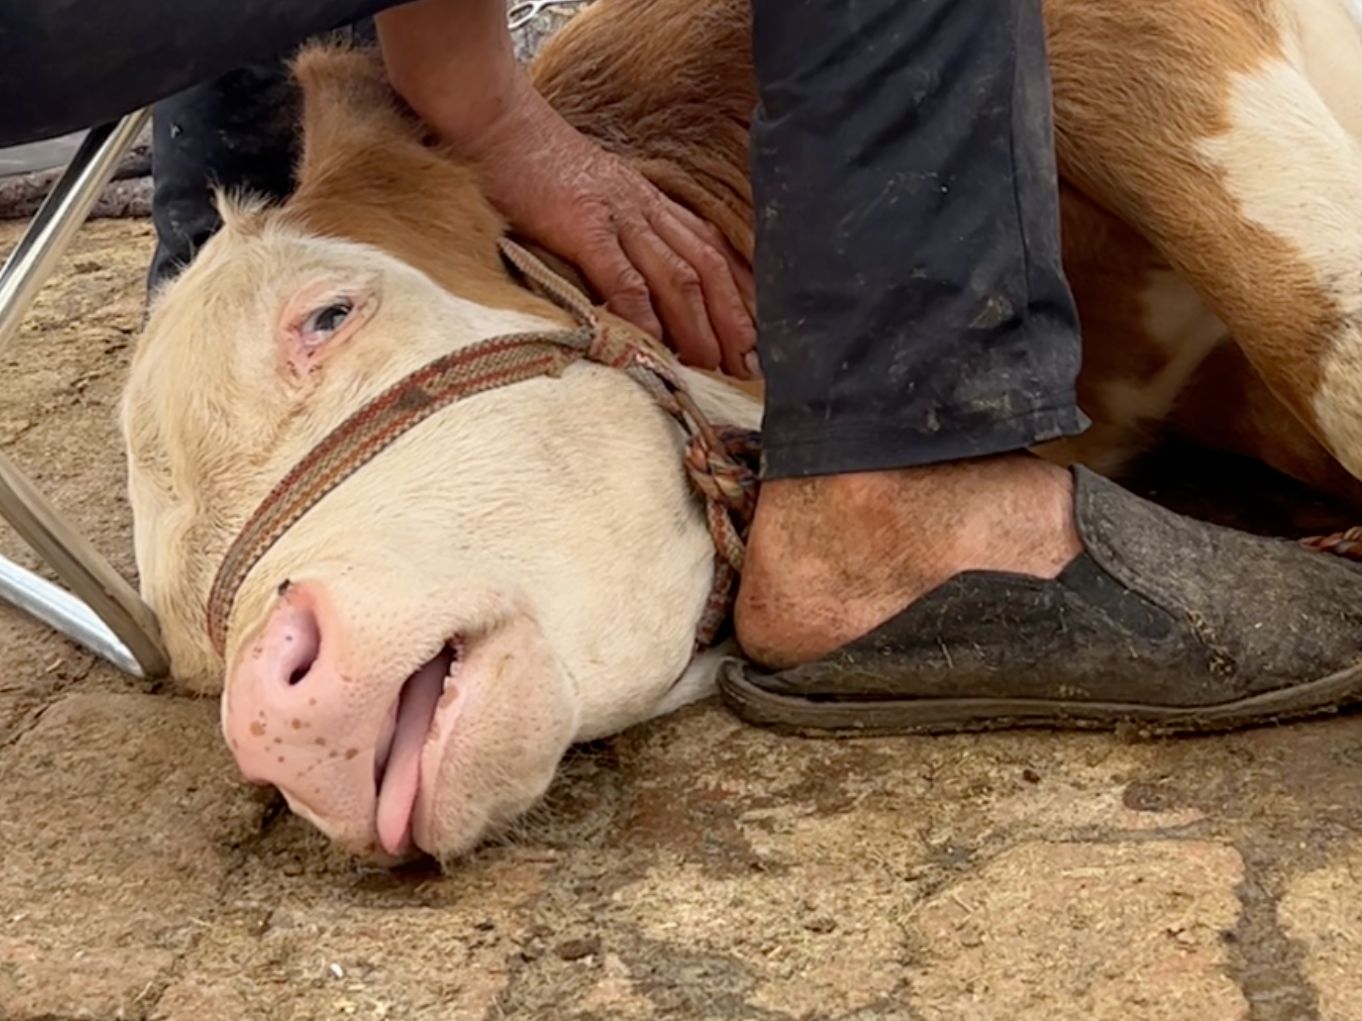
1164 622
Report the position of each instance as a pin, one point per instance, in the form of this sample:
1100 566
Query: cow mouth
397 762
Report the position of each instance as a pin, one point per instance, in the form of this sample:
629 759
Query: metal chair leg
109 618
58 609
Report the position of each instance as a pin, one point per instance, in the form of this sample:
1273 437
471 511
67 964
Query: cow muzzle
345 751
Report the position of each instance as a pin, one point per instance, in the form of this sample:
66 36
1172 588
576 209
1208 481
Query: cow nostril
302 639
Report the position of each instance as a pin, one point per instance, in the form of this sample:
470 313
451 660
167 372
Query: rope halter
720 463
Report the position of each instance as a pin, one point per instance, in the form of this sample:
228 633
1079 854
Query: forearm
452 61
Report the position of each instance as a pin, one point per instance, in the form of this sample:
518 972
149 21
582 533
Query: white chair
101 611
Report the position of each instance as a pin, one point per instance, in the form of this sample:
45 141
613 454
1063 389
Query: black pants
912 306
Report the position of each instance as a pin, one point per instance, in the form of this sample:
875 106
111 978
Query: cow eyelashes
319 326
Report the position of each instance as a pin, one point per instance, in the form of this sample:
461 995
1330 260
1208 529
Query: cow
410 655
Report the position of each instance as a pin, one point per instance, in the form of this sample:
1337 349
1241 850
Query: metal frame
104 614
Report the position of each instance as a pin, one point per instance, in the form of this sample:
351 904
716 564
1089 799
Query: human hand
654 262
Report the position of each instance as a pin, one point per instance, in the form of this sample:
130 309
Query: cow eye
326 320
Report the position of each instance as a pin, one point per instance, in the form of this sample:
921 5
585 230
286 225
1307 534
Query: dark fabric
1164 620
68 64
912 306
236 132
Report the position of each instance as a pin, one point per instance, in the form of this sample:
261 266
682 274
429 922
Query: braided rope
727 478
720 466
356 441
1347 543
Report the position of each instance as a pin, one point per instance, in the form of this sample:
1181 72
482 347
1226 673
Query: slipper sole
815 717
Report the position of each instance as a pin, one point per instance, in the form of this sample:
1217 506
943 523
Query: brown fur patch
367 175
1146 168
1108 266
669 84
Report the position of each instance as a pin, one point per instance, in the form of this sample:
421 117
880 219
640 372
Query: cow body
527 568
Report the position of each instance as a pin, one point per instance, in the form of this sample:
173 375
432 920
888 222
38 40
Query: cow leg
1227 407
1196 124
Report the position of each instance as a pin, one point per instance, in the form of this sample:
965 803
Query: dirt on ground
691 868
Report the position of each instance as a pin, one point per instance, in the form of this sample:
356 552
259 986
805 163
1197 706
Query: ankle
830 558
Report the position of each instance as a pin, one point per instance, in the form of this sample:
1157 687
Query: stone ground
693 868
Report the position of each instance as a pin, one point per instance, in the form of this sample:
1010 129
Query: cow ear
319 319
348 108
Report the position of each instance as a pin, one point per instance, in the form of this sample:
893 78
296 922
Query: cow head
522 570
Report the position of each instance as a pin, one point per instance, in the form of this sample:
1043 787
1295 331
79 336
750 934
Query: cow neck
720 462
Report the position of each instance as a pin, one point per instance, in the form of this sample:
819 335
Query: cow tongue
402 772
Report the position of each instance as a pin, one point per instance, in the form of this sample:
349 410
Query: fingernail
753 364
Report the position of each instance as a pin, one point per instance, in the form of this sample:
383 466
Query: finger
729 320
747 285
625 290
677 293
742 272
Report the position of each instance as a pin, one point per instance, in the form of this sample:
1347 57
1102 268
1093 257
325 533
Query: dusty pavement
693 868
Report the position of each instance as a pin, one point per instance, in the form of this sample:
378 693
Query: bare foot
832 558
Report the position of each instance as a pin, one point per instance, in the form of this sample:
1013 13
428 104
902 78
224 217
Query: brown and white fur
1211 162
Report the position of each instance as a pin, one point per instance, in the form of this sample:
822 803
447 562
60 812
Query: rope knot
727 479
